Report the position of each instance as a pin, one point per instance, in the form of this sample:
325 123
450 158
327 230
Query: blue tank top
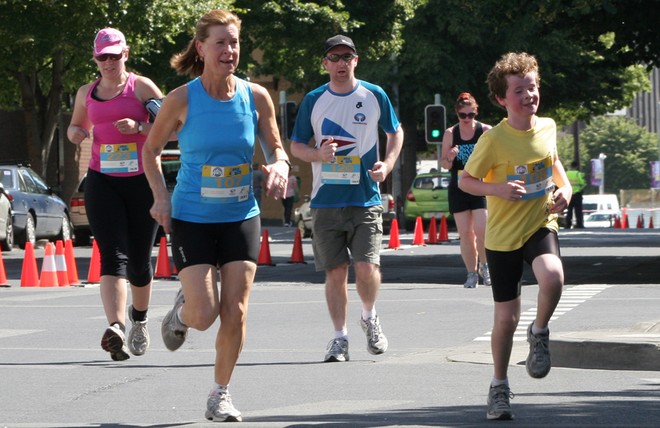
214 184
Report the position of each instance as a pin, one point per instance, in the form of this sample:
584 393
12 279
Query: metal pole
601 188
438 147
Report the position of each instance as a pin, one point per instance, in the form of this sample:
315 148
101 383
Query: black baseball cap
338 40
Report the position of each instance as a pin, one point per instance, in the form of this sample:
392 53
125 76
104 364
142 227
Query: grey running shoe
376 340
138 337
472 280
219 408
538 360
498 403
337 351
484 273
114 342
174 332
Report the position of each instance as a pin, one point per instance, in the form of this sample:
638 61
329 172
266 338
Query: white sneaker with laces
219 408
138 338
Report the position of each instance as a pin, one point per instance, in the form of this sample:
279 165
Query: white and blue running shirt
352 119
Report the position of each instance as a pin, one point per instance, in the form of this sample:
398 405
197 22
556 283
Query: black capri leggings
118 214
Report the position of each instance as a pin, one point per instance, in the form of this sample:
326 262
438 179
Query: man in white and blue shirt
343 118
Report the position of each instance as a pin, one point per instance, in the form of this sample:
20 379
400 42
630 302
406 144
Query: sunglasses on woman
347 57
111 57
471 115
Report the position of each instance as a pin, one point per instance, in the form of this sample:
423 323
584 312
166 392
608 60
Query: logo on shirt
359 117
359 104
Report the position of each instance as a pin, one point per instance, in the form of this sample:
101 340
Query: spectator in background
289 199
576 177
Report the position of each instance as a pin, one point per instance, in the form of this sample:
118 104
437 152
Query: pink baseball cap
109 41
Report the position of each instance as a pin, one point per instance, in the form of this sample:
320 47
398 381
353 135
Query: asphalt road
435 373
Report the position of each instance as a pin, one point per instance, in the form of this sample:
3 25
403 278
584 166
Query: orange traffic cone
443 236
60 265
418 238
433 232
163 267
624 221
94 273
297 253
29 274
617 222
3 274
640 222
395 242
264 251
71 268
48 268
651 222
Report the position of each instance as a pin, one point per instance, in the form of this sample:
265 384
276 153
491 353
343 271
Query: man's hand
379 172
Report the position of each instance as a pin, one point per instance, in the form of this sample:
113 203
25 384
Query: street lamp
601 188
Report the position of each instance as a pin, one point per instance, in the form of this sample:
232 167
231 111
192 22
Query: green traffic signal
435 123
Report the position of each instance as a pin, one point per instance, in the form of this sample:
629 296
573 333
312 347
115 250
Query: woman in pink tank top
111 110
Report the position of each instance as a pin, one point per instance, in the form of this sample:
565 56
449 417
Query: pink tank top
114 153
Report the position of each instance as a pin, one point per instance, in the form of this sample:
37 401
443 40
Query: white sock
498 382
218 389
341 334
368 314
536 330
177 313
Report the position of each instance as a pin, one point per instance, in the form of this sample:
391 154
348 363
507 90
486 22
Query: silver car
6 223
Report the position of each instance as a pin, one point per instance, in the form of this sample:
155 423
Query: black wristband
287 162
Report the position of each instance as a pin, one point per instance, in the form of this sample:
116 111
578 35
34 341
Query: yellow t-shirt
504 154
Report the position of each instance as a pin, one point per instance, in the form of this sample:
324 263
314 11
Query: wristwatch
140 127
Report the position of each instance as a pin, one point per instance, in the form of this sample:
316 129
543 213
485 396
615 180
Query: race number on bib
119 158
536 175
341 170
225 184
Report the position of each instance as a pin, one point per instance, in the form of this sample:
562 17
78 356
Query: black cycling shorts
460 201
215 243
506 267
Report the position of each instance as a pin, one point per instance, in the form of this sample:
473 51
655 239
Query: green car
427 197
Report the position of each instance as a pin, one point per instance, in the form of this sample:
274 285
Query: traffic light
435 123
289 118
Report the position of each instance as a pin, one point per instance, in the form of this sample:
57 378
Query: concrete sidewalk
627 342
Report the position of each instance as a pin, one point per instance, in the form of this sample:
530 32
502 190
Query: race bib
536 175
225 184
341 170
119 158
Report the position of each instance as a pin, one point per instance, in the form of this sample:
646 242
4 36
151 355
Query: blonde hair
511 63
187 62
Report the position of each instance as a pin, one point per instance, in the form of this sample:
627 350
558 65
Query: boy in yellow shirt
516 166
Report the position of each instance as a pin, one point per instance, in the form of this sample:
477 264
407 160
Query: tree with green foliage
629 149
47 54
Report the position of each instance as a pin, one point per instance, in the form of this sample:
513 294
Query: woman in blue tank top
213 215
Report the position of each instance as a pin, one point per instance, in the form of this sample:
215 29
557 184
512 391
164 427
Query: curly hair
187 62
512 63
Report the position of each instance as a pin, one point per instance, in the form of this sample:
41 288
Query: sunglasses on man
347 57
471 115
111 57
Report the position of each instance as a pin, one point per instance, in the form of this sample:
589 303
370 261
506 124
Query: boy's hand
511 190
561 198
